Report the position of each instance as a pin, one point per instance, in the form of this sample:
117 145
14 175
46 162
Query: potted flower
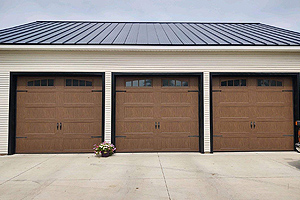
105 149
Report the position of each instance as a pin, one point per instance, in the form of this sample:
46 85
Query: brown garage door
58 114
157 114
252 114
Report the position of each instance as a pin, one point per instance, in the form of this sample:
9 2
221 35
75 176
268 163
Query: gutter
145 48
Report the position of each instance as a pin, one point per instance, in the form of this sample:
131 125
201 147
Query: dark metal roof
148 33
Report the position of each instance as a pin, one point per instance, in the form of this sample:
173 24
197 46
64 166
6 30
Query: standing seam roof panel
210 35
161 35
70 30
171 35
93 34
21 27
45 33
26 32
232 35
276 42
52 34
199 34
190 34
133 33
111 37
121 38
291 33
222 35
73 34
142 37
99 38
36 34
249 35
83 34
278 35
184 39
240 34
152 34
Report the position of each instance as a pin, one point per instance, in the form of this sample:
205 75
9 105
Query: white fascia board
146 48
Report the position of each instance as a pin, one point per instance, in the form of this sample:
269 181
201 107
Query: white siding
114 61
108 103
206 101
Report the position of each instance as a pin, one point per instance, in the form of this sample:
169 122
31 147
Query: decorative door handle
56 126
60 125
251 125
158 125
155 125
254 124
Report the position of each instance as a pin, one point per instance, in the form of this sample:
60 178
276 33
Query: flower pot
105 154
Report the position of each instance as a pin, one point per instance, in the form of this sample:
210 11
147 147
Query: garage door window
139 83
41 82
174 83
77 82
266 82
237 82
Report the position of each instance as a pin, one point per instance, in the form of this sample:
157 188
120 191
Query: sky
281 13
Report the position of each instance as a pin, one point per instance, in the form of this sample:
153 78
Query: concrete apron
273 175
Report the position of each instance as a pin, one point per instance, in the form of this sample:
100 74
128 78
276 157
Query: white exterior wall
137 61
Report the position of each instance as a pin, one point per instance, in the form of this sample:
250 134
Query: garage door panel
46 145
182 127
36 128
39 98
138 97
272 143
139 127
284 127
84 98
234 97
75 144
140 112
231 144
232 112
274 112
272 97
179 111
178 143
79 128
133 144
232 127
38 113
80 113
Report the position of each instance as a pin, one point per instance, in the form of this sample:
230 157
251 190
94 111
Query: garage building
148 87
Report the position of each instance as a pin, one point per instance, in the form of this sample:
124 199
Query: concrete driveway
151 176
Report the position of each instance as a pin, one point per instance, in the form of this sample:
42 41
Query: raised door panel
232 112
135 114
37 113
274 129
80 111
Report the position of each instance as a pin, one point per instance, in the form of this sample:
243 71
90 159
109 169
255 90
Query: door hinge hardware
218 135
288 135
287 90
193 136
120 136
96 136
22 90
216 90
21 137
193 90
96 90
120 90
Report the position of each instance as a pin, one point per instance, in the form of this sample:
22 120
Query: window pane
142 83
88 83
266 82
259 82
243 82
44 82
236 82
230 83
224 83
165 82
135 83
75 82
185 83
69 82
82 83
128 83
148 83
279 83
30 83
50 82
178 83
273 83
37 83
171 82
